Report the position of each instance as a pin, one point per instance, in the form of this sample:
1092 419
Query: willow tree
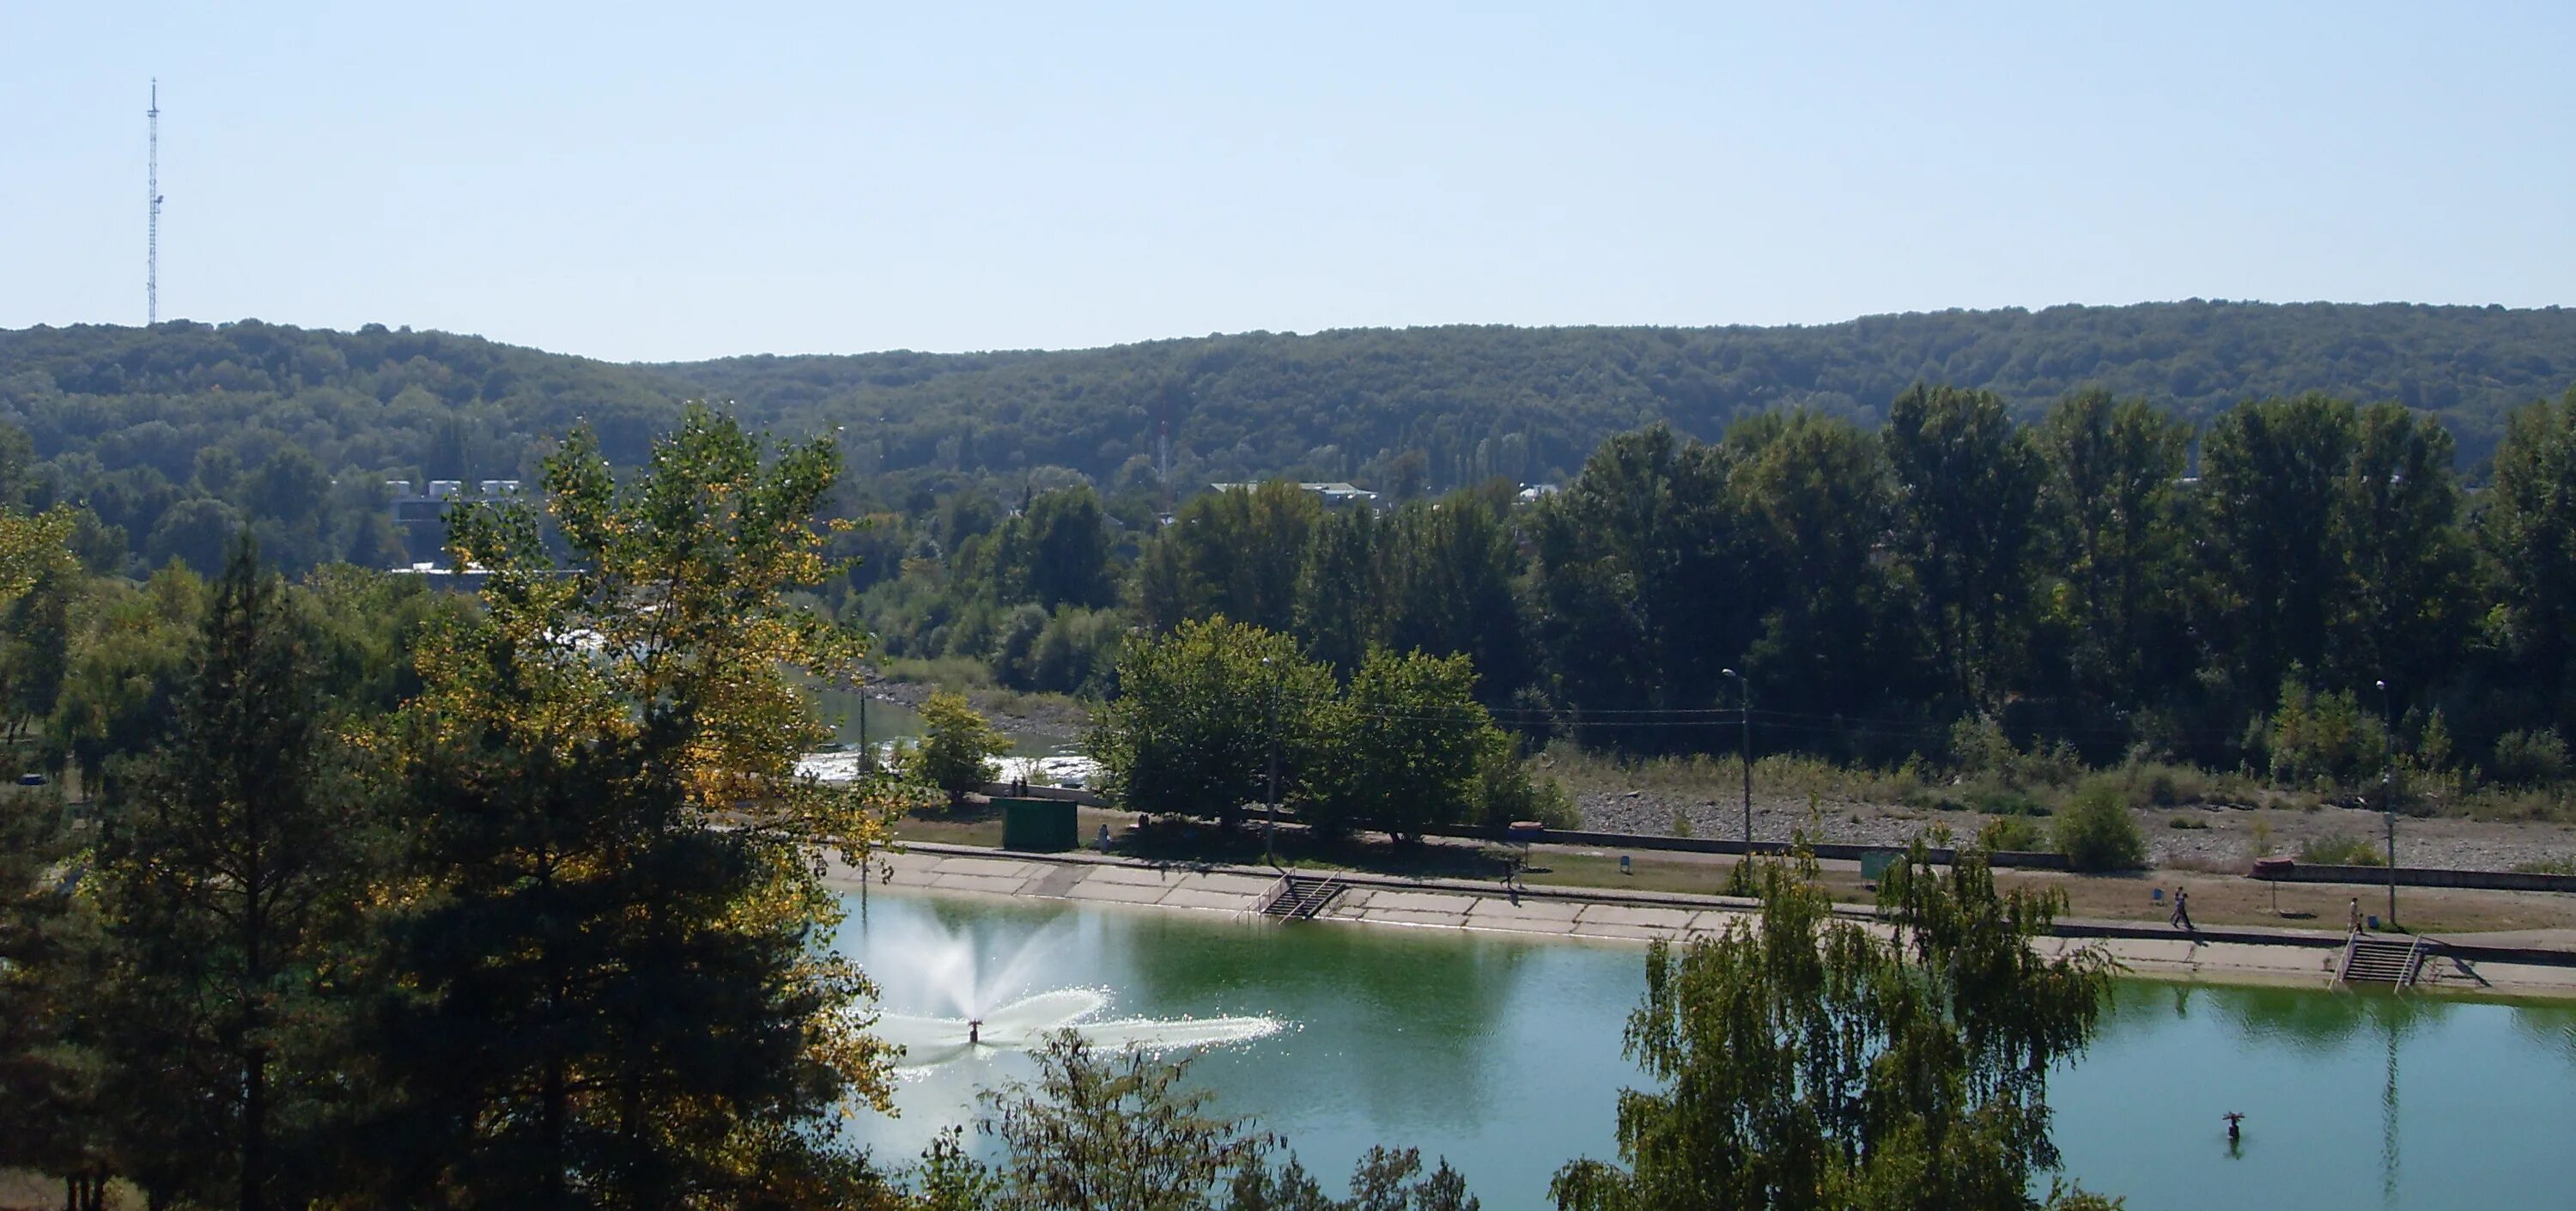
619 985
1809 1062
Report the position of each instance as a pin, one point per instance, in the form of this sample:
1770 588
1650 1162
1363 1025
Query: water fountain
942 965
1027 1023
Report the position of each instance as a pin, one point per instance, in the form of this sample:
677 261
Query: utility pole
2388 794
152 224
1270 725
1744 715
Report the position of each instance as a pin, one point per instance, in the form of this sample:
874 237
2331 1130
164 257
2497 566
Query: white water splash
1027 1023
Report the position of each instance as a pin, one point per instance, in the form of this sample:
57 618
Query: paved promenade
1615 915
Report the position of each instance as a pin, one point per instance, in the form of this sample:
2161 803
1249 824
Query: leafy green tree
230 868
51 1118
2112 502
2528 531
2272 484
1410 736
194 532
1116 1134
1453 589
1235 553
1646 567
1968 482
957 746
2410 610
1057 552
128 662
1832 641
1123 1131
1342 588
35 647
619 987
1197 713
1808 1062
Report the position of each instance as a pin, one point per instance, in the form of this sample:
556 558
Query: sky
650 181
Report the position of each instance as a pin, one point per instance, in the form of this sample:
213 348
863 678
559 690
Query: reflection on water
1503 1055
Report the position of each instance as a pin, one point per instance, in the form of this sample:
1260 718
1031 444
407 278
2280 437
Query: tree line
2297 573
174 438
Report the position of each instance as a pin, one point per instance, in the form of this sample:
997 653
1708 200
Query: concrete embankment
2225 955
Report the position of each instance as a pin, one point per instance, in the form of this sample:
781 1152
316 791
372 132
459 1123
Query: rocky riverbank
1049 717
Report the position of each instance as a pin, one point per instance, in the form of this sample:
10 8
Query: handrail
2414 962
2351 947
1270 898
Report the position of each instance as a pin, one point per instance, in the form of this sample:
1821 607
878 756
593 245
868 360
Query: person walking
2181 918
2356 914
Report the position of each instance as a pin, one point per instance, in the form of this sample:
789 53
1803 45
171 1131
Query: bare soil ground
2206 837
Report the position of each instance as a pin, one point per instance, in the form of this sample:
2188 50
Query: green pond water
1503 1054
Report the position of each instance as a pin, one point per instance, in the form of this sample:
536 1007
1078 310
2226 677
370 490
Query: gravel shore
2207 838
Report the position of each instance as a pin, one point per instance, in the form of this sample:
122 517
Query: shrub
2016 833
2547 866
2341 850
2535 758
2323 738
1511 789
2186 822
1996 800
2096 833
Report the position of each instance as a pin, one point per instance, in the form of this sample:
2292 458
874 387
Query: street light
1745 716
2388 793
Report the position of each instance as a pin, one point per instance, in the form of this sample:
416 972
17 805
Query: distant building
1533 493
1335 493
420 519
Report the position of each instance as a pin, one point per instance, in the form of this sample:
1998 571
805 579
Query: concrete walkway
1612 914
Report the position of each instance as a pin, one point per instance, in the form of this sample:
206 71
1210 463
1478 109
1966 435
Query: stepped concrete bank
2522 965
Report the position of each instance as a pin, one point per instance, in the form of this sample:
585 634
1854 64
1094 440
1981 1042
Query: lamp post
1270 727
1744 715
2388 793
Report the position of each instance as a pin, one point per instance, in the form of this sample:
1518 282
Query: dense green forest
175 437
1957 586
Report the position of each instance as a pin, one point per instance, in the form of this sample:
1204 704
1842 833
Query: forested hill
1528 403
252 421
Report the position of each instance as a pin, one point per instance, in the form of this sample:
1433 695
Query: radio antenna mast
152 225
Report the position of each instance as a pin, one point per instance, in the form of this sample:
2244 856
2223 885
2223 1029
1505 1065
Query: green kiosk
1039 825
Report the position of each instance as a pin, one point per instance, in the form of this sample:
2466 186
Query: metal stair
2369 960
1300 897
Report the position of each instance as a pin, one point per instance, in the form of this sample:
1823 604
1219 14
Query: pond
1502 1053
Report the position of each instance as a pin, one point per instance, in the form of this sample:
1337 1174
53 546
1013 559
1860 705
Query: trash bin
1039 825
1875 863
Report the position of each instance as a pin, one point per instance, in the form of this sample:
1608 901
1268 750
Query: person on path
2181 918
2356 914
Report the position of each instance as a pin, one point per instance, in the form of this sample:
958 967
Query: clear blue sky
656 181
